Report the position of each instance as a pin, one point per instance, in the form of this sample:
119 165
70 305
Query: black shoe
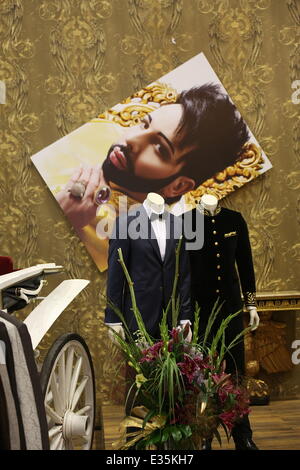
245 443
206 444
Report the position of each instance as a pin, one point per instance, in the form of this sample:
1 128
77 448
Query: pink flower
242 404
188 368
175 334
175 338
221 379
150 354
203 363
228 418
238 408
223 395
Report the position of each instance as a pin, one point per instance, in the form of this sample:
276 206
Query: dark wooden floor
275 426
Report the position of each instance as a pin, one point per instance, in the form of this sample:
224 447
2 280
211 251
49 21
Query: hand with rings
86 190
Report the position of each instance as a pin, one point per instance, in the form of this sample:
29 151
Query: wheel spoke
69 367
76 372
84 410
52 414
56 397
62 444
54 431
79 391
57 443
49 396
62 377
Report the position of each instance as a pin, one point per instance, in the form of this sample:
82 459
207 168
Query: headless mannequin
210 203
216 226
156 204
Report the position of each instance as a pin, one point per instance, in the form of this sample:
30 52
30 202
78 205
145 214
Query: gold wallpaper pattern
66 61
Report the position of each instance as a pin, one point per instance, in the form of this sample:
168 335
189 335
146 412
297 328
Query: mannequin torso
149 254
208 205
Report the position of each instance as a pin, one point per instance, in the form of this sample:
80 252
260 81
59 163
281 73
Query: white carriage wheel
68 386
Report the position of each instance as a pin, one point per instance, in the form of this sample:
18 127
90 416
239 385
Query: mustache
125 150
127 178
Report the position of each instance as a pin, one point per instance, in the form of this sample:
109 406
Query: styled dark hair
211 122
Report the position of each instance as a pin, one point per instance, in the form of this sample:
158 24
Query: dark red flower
228 418
175 332
150 354
188 368
222 379
203 363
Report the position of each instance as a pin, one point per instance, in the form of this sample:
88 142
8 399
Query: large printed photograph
181 136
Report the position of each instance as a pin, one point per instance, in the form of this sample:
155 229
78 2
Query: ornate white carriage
52 406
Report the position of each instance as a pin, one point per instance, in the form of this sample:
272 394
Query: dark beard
127 179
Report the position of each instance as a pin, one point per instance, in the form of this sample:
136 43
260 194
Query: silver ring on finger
78 189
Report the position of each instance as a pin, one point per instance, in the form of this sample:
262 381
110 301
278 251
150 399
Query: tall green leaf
211 320
196 323
136 312
175 308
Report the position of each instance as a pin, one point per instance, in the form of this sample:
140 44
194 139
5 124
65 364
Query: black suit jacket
153 278
225 261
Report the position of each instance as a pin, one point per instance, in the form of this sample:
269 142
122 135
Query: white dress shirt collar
158 226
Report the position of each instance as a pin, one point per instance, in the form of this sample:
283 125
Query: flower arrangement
182 391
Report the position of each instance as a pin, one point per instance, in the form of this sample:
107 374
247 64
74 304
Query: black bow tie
155 216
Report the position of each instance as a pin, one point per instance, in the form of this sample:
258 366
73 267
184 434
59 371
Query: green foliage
196 324
136 312
169 436
175 304
175 380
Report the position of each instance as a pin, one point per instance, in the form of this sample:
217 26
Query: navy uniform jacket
219 271
153 278
225 260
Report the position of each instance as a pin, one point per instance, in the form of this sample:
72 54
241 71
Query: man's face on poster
149 157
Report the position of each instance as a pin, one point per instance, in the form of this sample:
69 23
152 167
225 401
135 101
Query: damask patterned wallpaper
65 61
